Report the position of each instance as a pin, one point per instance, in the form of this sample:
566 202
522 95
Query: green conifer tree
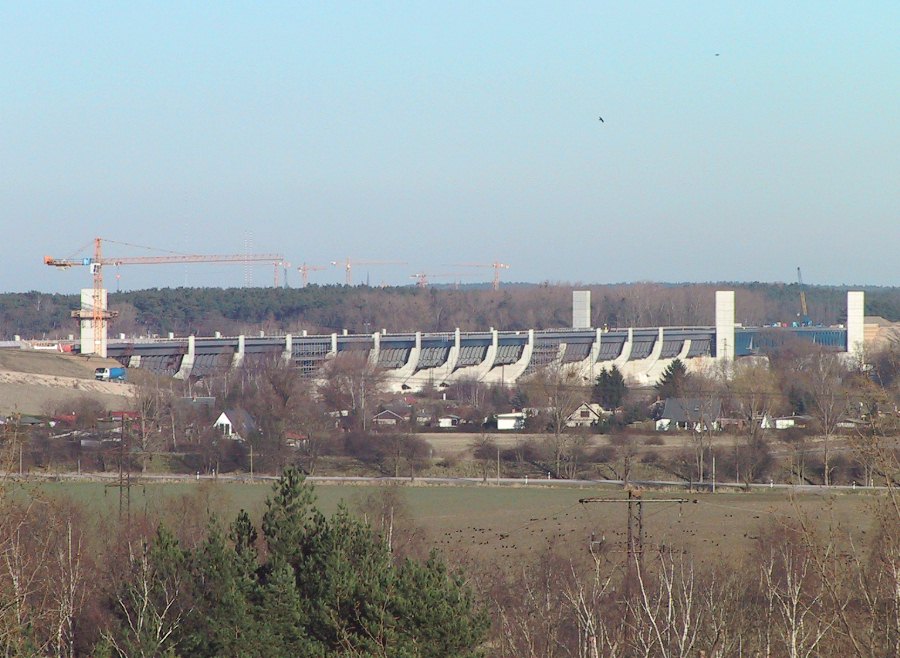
609 389
673 380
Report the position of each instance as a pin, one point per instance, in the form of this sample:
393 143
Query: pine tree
283 625
329 586
609 389
243 536
345 577
436 611
289 515
220 622
673 380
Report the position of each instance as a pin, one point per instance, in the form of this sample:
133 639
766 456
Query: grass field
507 525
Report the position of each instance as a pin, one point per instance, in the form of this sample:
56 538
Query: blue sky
439 133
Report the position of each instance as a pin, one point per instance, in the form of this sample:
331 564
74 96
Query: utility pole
634 535
634 530
124 481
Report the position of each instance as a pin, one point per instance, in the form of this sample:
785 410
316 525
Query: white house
235 424
783 422
587 414
511 421
448 421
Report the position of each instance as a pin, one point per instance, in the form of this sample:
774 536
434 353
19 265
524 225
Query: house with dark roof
698 414
235 424
390 417
23 420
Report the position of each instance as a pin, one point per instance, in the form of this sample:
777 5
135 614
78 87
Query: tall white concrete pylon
581 309
725 325
87 324
856 302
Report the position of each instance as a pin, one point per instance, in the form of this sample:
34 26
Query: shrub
650 457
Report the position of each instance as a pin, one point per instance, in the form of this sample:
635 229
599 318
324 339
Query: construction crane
306 269
497 266
98 314
804 309
285 266
423 278
350 263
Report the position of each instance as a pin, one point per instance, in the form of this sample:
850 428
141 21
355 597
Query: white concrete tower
87 324
581 309
725 325
856 301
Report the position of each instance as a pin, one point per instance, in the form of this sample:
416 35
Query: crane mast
804 309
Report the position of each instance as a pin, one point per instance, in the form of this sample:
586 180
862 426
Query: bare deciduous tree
797 615
667 616
350 383
149 603
559 390
823 376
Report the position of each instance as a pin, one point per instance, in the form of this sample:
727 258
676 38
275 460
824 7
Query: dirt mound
40 382
53 363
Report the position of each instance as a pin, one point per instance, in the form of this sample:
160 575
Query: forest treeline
363 309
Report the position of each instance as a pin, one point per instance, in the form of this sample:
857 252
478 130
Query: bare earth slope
42 382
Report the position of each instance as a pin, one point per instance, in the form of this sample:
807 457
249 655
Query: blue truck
110 374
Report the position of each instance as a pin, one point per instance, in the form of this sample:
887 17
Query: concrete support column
410 368
620 361
856 302
334 343
187 361
87 324
447 369
589 370
288 353
403 374
595 348
654 364
239 355
376 349
725 325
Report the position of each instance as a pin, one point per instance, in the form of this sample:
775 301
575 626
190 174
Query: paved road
518 482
